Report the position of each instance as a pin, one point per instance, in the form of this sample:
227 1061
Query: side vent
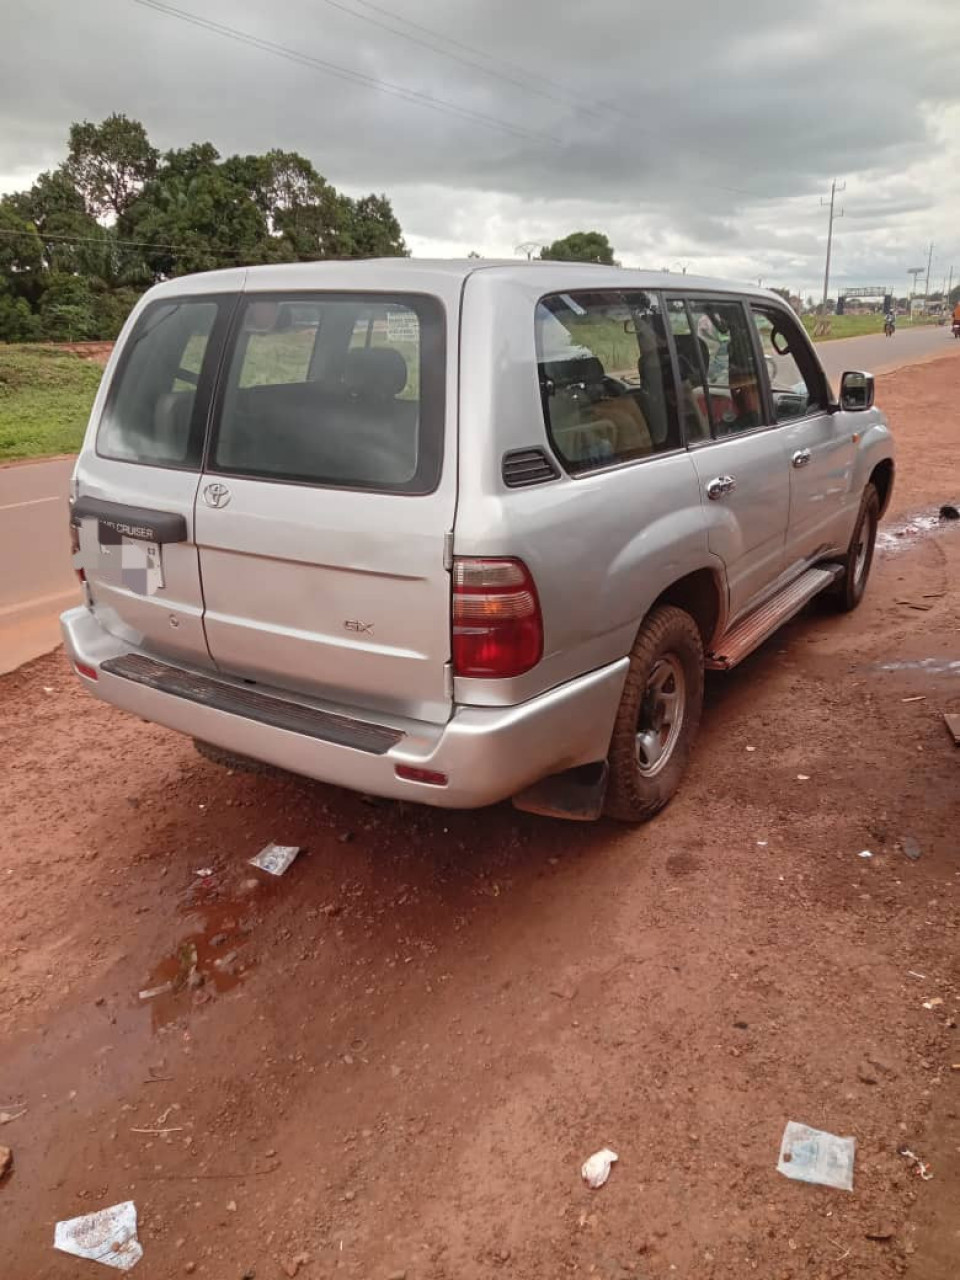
523 467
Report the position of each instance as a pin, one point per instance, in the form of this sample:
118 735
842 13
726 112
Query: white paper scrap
596 1170
810 1155
108 1236
275 858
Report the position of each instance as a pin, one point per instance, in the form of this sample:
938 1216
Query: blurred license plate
131 562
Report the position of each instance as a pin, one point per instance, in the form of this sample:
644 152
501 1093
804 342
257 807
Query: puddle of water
900 536
208 960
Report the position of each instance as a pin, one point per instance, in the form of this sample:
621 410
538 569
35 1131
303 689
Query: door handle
719 486
801 457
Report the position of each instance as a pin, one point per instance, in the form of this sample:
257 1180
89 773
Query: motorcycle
889 328
956 328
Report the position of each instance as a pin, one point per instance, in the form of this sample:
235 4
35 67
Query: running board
763 622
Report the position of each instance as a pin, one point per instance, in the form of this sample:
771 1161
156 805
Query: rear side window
152 415
339 390
605 378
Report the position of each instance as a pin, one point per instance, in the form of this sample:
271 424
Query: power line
555 93
425 99
108 241
348 73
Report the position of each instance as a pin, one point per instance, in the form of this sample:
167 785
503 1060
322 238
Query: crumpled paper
108 1236
596 1170
810 1155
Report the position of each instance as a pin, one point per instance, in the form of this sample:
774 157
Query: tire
646 768
239 764
859 558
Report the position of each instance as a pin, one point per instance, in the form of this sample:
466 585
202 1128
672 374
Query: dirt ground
403 1049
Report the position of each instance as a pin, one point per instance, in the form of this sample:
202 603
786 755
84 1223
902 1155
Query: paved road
36 577
880 355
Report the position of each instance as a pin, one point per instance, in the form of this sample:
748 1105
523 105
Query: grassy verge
45 399
856 326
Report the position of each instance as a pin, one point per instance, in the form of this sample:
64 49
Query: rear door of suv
327 496
136 480
740 460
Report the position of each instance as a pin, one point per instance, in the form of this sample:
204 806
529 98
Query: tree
580 246
372 229
109 163
954 296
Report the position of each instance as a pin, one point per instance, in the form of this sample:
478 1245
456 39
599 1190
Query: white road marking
32 502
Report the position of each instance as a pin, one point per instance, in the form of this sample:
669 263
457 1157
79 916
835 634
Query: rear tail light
84 669
497 624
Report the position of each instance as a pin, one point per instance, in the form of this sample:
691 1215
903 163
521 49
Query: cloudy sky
694 132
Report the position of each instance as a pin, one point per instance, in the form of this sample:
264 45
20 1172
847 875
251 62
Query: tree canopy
580 246
116 216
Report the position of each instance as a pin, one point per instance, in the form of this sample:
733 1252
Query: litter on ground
108 1236
953 724
275 858
596 1170
920 1167
810 1155
910 848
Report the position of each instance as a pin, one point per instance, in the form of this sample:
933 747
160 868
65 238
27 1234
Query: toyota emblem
216 495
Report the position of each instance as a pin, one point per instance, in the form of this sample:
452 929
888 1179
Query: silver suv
458 532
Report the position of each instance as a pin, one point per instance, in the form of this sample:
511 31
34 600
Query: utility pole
950 285
926 289
834 188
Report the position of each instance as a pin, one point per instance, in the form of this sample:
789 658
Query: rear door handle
801 457
719 486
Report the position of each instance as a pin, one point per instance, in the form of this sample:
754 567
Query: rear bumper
487 753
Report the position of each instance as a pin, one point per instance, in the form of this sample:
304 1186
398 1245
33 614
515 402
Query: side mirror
856 392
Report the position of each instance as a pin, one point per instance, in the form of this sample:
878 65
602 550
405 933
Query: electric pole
834 188
926 290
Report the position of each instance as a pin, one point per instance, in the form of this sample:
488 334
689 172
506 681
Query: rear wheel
659 715
859 557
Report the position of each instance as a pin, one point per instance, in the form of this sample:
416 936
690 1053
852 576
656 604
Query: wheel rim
864 546
661 715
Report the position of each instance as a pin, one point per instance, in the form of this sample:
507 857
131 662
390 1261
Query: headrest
565 373
375 371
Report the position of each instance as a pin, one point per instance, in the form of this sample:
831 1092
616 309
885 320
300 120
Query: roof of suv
423 273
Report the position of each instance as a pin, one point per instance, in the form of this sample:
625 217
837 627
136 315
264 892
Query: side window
692 360
335 389
605 378
798 385
149 412
733 380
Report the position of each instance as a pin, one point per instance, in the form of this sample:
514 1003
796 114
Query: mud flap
576 794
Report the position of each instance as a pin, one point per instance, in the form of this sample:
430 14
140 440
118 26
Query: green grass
45 399
856 326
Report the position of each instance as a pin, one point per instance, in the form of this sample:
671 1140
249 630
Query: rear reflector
497 624
429 776
82 669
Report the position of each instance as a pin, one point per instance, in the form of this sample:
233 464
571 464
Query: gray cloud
689 130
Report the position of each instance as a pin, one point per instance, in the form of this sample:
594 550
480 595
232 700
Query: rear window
335 390
151 415
606 378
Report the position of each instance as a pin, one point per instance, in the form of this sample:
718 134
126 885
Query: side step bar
763 622
326 726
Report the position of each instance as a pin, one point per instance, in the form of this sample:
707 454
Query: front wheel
859 558
659 716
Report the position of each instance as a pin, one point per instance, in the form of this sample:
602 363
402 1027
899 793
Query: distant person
890 323
956 313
